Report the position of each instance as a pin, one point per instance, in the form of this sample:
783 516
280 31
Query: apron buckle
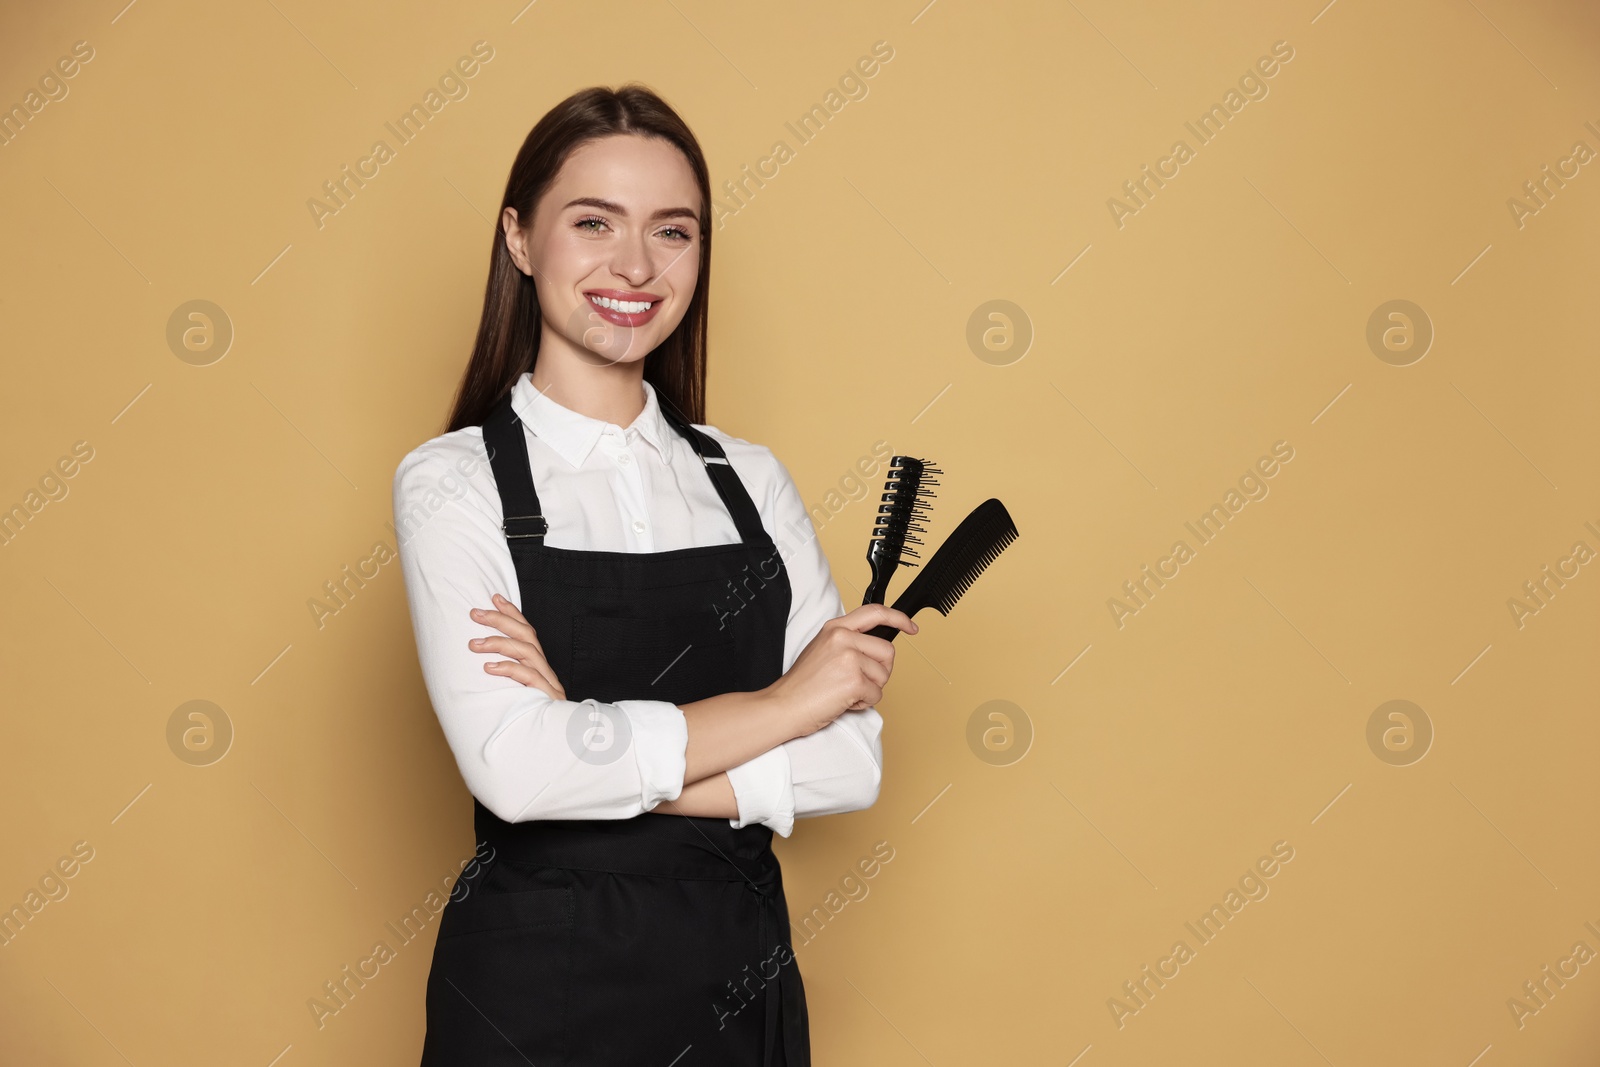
539 522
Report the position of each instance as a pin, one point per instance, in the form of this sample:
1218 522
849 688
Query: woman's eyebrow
618 209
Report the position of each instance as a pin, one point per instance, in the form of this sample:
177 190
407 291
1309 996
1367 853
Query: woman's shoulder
459 452
742 453
765 475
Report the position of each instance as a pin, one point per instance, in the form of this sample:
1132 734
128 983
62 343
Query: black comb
975 544
907 491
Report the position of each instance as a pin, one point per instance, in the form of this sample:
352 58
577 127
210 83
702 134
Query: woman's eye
678 233
584 223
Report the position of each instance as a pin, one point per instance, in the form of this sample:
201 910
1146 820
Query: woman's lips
623 318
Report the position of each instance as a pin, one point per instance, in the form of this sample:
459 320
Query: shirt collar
574 435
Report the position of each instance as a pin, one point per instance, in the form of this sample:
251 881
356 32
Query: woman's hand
527 664
843 668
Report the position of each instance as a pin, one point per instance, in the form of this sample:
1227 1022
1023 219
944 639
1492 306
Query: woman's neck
589 384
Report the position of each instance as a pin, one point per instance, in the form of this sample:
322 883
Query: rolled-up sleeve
764 791
840 767
522 753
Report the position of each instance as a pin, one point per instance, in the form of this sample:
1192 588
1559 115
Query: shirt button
624 459
638 526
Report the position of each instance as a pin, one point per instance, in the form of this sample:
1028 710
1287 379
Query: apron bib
660 939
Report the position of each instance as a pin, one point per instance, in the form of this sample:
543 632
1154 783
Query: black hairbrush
975 544
906 493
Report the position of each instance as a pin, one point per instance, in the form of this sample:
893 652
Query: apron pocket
677 657
498 989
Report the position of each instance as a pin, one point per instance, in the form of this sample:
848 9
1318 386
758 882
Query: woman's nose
633 263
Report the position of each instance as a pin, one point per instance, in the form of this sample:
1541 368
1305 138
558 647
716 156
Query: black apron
657 940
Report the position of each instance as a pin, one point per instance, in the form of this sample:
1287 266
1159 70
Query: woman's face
614 248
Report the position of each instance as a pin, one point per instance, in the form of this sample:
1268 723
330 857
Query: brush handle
878 587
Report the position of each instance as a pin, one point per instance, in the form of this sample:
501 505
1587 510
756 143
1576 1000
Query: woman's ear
516 240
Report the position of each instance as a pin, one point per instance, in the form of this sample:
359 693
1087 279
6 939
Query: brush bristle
905 506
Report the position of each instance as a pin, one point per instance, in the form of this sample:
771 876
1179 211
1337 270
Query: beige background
1166 755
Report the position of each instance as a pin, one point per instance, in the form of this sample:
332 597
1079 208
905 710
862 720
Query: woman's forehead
639 173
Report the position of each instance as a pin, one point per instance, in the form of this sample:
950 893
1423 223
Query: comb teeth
969 570
975 543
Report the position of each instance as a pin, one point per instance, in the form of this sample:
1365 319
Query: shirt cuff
660 737
763 788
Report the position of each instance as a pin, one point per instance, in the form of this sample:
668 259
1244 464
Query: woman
674 686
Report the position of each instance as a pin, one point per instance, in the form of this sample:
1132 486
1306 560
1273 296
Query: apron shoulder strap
513 474
723 477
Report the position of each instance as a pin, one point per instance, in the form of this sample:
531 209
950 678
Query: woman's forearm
731 728
710 797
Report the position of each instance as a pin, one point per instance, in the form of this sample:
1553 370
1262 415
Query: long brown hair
508 332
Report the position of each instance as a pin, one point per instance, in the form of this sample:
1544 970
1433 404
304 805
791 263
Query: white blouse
603 487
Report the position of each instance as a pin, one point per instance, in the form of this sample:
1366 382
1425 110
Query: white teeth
631 307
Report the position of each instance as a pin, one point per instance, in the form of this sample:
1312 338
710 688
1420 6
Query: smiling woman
591 239
620 307
631 743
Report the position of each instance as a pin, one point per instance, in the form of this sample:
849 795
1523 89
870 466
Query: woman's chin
622 350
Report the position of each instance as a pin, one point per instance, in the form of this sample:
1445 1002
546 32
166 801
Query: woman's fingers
876 651
869 616
531 677
877 655
509 621
510 609
873 696
521 651
528 664
876 670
